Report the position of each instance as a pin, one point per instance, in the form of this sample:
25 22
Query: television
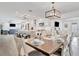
12 25
56 24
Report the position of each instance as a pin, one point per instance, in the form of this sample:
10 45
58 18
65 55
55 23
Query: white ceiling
38 8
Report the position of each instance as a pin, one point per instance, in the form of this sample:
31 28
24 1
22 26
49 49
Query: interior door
74 28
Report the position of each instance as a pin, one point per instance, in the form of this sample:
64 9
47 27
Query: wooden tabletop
48 48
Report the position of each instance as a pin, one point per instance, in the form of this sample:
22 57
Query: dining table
48 48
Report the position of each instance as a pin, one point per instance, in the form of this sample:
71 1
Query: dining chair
22 48
74 45
66 42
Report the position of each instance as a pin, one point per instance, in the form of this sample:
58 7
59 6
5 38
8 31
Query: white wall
6 24
69 22
45 21
66 18
69 18
48 24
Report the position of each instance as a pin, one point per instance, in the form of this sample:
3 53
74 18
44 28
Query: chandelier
53 13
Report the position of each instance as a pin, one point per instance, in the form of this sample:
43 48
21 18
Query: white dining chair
66 42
